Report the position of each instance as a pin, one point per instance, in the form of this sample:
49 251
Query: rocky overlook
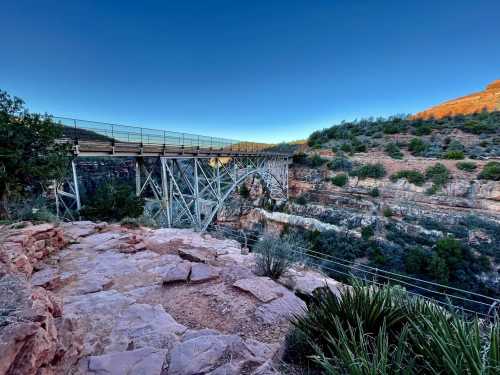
107 299
488 100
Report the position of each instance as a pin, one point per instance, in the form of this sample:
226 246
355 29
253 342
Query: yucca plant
357 307
358 353
371 330
450 344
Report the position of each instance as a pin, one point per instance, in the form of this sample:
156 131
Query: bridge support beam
189 191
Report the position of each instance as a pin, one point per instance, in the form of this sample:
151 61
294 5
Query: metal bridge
185 178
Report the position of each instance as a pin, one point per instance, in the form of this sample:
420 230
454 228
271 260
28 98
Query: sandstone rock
280 309
198 255
142 325
192 334
216 354
48 278
263 288
307 281
77 229
201 272
179 272
146 361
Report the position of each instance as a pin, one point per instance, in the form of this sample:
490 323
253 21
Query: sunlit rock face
489 100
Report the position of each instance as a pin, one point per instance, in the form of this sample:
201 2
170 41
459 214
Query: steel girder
188 191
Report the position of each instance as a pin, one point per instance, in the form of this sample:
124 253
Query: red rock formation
488 99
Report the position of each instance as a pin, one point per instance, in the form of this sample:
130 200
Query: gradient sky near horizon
260 70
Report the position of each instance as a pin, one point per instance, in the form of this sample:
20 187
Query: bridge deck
85 148
102 139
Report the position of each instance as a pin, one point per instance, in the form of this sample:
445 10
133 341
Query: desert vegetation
367 330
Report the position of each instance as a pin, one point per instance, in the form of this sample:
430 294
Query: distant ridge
488 100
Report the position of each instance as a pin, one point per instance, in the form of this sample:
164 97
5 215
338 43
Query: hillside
489 100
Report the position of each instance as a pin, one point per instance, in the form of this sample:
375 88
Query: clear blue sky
257 69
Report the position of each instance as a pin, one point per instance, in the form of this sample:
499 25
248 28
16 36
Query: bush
244 191
346 147
113 201
439 175
384 330
340 163
302 200
392 149
423 130
367 232
387 212
370 171
299 158
340 179
141 221
417 147
374 192
316 161
412 176
273 256
466 166
454 155
491 171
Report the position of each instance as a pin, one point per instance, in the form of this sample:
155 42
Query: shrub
273 256
316 161
466 166
387 212
439 175
392 149
412 176
340 179
491 171
346 147
367 232
423 130
374 192
244 191
113 201
340 163
370 171
302 200
299 158
384 330
417 147
454 155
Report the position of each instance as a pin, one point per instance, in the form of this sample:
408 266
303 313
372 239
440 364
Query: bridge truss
185 178
187 190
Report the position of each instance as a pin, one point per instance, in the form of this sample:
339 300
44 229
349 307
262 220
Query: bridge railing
91 131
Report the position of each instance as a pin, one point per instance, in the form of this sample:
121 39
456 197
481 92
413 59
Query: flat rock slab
201 272
281 309
218 354
198 255
48 278
263 288
179 272
145 361
142 325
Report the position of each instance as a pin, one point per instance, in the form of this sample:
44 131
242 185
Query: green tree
30 157
113 201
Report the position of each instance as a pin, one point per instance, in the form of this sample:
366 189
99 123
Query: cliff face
489 100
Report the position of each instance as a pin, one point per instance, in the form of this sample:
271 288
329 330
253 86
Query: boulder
146 361
201 272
